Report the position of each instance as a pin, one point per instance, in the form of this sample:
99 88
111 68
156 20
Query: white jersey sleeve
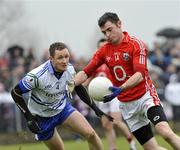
30 81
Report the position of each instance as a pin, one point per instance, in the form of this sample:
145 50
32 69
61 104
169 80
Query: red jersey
103 71
123 60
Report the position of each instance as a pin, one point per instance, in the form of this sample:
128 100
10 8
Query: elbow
13 95
16 93
141 76
12 92
140 71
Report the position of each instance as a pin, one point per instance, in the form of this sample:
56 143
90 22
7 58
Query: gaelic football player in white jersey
48 104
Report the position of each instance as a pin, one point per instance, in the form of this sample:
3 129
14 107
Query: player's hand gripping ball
99 87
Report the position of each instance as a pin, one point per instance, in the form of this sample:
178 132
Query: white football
99 87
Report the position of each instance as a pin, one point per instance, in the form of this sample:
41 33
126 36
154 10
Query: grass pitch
79 145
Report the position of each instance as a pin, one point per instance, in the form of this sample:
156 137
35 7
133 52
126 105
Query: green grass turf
78 145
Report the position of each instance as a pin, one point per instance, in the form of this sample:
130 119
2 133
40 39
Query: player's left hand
33 124
70 86
115 92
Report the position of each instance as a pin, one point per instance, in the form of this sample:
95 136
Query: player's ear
119 24
50 58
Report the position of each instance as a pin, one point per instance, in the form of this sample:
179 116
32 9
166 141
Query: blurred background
28 27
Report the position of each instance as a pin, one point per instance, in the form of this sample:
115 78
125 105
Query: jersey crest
126 56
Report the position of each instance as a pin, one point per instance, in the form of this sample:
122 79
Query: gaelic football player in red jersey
126 58
112 108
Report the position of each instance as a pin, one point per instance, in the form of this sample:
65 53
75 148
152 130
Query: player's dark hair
100 41
56 46
108 16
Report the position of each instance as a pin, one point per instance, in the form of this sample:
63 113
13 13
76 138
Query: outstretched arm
80 78
16 94
130 83
82 93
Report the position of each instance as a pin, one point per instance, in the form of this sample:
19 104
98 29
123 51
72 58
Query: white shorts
112 106
135 112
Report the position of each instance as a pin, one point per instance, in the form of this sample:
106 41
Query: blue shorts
47 124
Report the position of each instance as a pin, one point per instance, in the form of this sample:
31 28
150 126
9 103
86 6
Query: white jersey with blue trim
47 93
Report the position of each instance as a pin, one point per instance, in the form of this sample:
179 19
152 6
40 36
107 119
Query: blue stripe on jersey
60 102
42 69
40 103
53 105
23 88
50 67
41 72
39 100
27 85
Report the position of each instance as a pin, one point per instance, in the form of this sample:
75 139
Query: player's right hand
115 92
33 125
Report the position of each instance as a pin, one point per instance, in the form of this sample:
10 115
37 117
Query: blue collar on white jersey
52 71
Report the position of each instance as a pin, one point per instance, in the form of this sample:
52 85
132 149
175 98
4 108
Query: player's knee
165 131
90 135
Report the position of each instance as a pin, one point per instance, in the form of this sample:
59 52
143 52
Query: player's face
112 32
60 60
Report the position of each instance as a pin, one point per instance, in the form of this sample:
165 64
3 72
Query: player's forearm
16 94
84 96
132 81
80 78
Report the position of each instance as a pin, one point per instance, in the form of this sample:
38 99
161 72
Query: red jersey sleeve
95 62
140 57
